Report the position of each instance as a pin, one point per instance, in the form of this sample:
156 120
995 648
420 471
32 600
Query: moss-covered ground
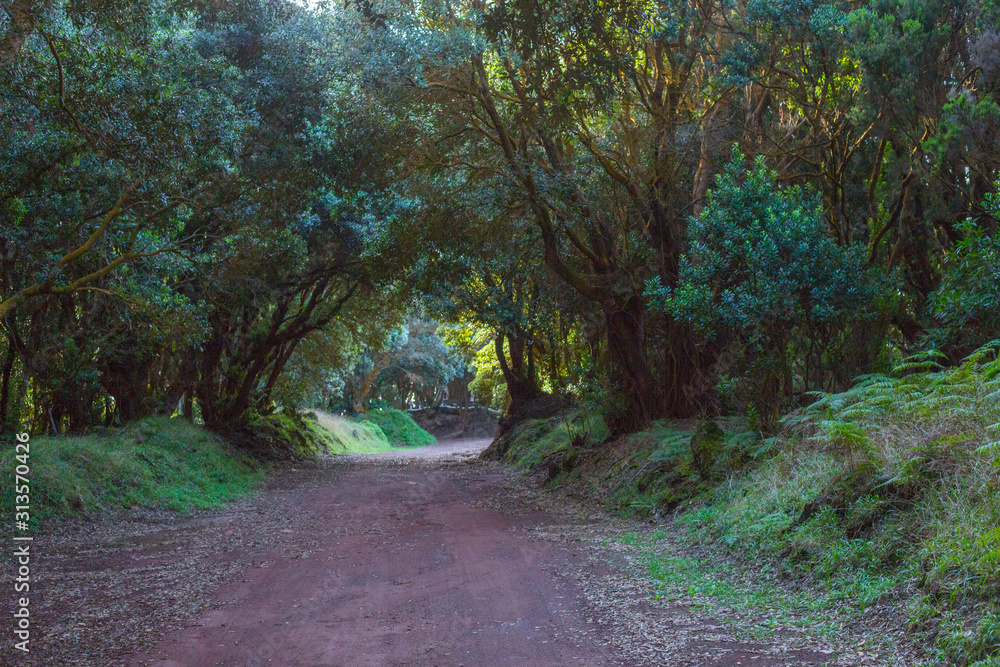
398 427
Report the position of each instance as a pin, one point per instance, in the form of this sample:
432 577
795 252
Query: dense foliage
177 215
765 283
661 209
561 163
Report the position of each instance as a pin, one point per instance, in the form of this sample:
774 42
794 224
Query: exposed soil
420 557
447 423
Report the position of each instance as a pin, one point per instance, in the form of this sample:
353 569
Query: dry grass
353 436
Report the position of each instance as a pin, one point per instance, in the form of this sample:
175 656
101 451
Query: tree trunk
20 26
522 386
687 387
109 411
180 388
127 380
8 367
691 369
639 401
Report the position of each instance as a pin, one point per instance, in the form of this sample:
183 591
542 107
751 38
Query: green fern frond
921 362
990 448
989 350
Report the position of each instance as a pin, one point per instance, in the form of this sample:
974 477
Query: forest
670 209
781 215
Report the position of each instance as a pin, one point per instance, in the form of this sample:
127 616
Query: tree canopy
666 209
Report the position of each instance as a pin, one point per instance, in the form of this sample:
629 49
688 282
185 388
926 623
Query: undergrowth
289 434
540 438
353 437
889 489
158 462
645 473
887 494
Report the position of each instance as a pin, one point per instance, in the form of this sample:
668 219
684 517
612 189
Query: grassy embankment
374 431
173 464
398 427
888 494
158 462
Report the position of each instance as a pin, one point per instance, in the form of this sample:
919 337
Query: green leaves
760 258
762 275
967 303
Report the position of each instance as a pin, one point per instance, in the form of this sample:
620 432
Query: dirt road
397 565
420 557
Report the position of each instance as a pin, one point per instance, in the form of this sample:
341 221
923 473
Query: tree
598 127
173 174
764 279
967 303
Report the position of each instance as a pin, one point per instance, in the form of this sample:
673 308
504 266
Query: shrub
763 278
893 481
967 303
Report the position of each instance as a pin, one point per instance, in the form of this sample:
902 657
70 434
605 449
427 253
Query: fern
920 397
922 362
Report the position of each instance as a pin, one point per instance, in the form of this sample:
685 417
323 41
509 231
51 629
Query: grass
158 462
399 428
885 494
291 434
316 432
718 585
889 490
536 439
173 464
350 436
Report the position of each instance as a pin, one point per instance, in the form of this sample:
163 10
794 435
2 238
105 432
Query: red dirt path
418 557
396 565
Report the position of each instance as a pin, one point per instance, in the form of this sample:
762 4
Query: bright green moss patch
398 427
349 436
298 435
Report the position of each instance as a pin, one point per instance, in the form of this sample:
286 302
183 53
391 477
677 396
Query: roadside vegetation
398 427
352 436
887 494
157 462
170 463
379 430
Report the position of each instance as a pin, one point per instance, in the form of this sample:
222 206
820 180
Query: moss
707 447
535 440
352 436
159 462
288 433
399 428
